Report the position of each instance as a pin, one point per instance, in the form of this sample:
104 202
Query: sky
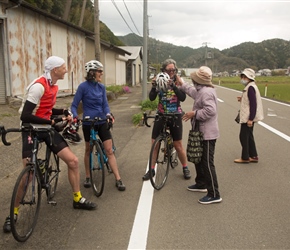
217 24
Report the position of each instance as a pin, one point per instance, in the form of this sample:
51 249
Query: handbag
194 144
237 119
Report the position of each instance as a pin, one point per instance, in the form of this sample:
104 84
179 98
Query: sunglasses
97 70
170 70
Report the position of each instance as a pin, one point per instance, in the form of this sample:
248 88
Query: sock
153 167
16 210
184 166
77 196
87 179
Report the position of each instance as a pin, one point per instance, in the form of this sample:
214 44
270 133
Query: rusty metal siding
24 49
32 38
76 49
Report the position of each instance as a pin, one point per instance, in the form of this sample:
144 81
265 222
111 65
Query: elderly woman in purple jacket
205 111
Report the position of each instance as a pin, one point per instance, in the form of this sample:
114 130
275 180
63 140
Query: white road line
275 131
264 98
138 238
220 100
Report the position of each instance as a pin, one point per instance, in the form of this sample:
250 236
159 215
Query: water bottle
41 164
169 142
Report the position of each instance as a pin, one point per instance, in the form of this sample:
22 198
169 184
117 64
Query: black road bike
39 175
162 153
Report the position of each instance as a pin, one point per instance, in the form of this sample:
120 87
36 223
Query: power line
131 17
122 15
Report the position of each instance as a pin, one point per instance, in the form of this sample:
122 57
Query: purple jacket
205 107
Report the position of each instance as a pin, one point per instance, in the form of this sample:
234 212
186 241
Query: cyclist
95 104
41 98
170 97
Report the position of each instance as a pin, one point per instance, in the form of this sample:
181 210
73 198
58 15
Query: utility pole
97 31
67 9
206 55
145 51
82 13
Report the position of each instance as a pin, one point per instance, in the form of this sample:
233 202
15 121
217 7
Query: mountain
270 54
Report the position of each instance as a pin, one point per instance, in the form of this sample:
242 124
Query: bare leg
181 152
73 167
111 158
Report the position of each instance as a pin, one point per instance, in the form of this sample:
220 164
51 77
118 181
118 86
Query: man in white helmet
38 108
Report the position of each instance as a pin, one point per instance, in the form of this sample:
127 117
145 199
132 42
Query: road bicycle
98 158
39 175
162 153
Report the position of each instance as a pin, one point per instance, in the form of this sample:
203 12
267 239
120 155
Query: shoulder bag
194 144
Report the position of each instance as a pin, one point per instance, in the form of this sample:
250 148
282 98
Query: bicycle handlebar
157 116
4 131
28 127
96 119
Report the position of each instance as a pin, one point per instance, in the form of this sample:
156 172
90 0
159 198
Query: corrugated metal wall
32 38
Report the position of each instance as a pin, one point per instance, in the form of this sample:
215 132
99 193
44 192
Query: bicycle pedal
53 203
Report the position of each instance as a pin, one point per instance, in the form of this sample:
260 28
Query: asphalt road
254 213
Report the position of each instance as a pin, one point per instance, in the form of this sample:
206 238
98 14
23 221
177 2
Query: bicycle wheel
97 169
173 158
158 155
52 175
27 197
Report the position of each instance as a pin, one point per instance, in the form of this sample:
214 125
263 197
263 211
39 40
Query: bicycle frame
98 158
94 137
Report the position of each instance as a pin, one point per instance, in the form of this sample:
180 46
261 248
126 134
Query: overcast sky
220 24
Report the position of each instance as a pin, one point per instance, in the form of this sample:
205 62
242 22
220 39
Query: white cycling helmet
93 65
162 81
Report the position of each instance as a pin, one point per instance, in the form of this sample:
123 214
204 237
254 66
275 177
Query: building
28 36
133 64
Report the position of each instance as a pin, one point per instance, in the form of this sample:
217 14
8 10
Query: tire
29 205
97 169
52 174
159 148
173 158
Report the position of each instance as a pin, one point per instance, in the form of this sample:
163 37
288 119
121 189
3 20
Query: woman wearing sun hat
205 111
251 111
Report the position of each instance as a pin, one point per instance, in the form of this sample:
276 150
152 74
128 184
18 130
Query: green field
275 87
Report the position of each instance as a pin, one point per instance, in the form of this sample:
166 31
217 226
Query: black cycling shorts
58 144
102 129
175 128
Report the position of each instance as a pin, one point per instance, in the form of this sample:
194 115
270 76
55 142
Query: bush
115 88
137 118
146 105
149 105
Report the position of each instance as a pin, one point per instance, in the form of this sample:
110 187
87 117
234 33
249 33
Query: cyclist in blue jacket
95 104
